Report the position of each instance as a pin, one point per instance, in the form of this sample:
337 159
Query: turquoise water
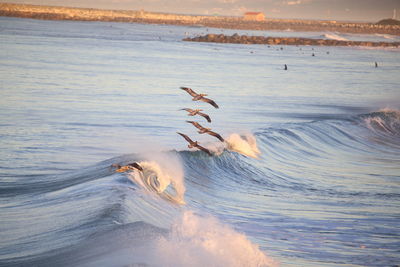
79 96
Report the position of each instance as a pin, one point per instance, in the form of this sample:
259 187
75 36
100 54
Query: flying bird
194 144
206 130
193 112
199 97
128 167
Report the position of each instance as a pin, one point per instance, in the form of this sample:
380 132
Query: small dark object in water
376 64
285 67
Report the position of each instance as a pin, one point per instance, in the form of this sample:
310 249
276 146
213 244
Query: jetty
244 39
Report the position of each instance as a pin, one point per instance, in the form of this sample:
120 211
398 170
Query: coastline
90 14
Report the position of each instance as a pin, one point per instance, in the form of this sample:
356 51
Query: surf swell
137 212
162 174
386 121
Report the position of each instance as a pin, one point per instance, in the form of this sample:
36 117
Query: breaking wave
333 36
204 241
384 121
163 216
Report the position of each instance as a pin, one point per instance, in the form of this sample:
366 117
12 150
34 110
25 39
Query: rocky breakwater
244 39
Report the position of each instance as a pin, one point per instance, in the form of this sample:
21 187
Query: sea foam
245 144
162 174
204 241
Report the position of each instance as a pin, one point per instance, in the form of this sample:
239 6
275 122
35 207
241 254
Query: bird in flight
128 167
193 112
203 130
194 144
199 97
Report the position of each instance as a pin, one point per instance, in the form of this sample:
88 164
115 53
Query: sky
343 10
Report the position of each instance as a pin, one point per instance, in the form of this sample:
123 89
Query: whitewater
308 174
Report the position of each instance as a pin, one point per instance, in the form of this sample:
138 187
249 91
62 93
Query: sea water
308 176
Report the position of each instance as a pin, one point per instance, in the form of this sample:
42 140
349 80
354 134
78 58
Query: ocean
308 175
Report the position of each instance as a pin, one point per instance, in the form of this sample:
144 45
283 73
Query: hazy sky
359 10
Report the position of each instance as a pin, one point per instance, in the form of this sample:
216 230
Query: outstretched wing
136 166
205 116
187 109
204 149
189 91
186 137
209 101
123 169
216 135
196 124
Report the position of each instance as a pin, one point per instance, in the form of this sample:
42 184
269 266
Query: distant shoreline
90 14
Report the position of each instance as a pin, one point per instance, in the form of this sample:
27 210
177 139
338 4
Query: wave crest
385 120
245 144
164 177
333 36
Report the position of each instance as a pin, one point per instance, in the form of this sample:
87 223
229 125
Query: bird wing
205 116
189 91
122 169
204 149
209 101
136 166
186 137
216 135
196 124
187 109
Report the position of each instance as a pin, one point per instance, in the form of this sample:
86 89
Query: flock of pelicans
194 112
192 144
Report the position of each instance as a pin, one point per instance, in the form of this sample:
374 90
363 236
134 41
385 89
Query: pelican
194 144
128 167
206 130
193 112
199 97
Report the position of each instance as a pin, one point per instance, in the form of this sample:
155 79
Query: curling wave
384 121
164 180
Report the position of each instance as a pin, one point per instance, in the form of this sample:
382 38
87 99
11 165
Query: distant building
254 16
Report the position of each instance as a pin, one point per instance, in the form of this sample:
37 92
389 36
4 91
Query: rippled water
77 97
